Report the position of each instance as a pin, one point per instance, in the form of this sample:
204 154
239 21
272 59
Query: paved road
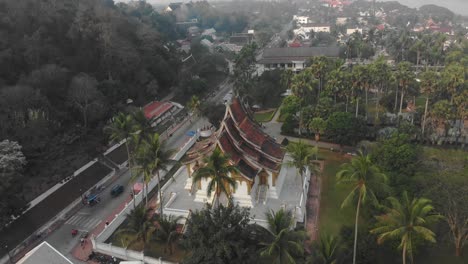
89 217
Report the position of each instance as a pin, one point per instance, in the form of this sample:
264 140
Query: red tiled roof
247 170
232 129
250 151
228 148
237 111
156 109
268 163
252 132
273 149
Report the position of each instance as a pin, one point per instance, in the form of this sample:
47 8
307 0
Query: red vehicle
74 232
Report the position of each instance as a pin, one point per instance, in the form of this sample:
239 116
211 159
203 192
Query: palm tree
123 128
318 68
286 78
219 171
327 249
363 176
142 124
194 105
429 82
406 220
404 75
279 241
302 155
144 167
154 153
167 231
318 126
140 224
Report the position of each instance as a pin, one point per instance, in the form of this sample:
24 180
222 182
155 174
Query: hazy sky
457 6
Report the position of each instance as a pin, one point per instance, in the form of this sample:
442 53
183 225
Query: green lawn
332 217
264 116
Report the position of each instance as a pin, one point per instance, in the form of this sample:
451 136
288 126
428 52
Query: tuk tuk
117 190
93 199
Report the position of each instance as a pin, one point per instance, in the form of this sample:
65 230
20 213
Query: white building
301 19
293 59
304 31
350 31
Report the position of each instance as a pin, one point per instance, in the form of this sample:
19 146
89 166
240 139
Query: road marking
83 221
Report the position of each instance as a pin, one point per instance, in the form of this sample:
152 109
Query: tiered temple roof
243 141
246 144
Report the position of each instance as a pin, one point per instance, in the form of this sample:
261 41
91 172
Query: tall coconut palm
317 125
155 154
123 128
404 75
143 167
429 82
363 176
279 241
406 220
318 67
142 124
327 250
167 231
140 225
218 170
302 155
194 105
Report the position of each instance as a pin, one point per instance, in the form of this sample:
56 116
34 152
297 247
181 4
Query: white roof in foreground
44 254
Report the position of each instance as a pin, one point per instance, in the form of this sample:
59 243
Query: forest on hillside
66 67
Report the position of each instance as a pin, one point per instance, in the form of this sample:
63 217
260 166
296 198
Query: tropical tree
406 220
429 82
286 78
142 124
154 153
218 170
326 250
221 235
279 241
302 155
123 128
194 105
317 125
303 85
167 231
318 69
143 167
404 75
363 176
140 225
453 78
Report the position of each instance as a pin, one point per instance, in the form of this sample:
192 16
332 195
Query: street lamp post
81 196
8 252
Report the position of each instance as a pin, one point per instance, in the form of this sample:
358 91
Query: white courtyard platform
178 199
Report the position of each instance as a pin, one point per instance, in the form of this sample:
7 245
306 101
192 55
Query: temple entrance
263 178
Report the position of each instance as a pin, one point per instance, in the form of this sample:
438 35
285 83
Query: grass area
264 116
332 217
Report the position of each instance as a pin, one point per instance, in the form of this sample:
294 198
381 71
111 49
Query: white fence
125 254
99 244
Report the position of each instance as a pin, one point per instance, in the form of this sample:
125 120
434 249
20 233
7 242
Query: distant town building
292 58
350 31
304 31
301 19
173 7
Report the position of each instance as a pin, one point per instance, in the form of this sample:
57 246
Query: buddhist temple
264 180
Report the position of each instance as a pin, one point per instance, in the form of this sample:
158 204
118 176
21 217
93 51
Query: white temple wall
201 195
241 195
